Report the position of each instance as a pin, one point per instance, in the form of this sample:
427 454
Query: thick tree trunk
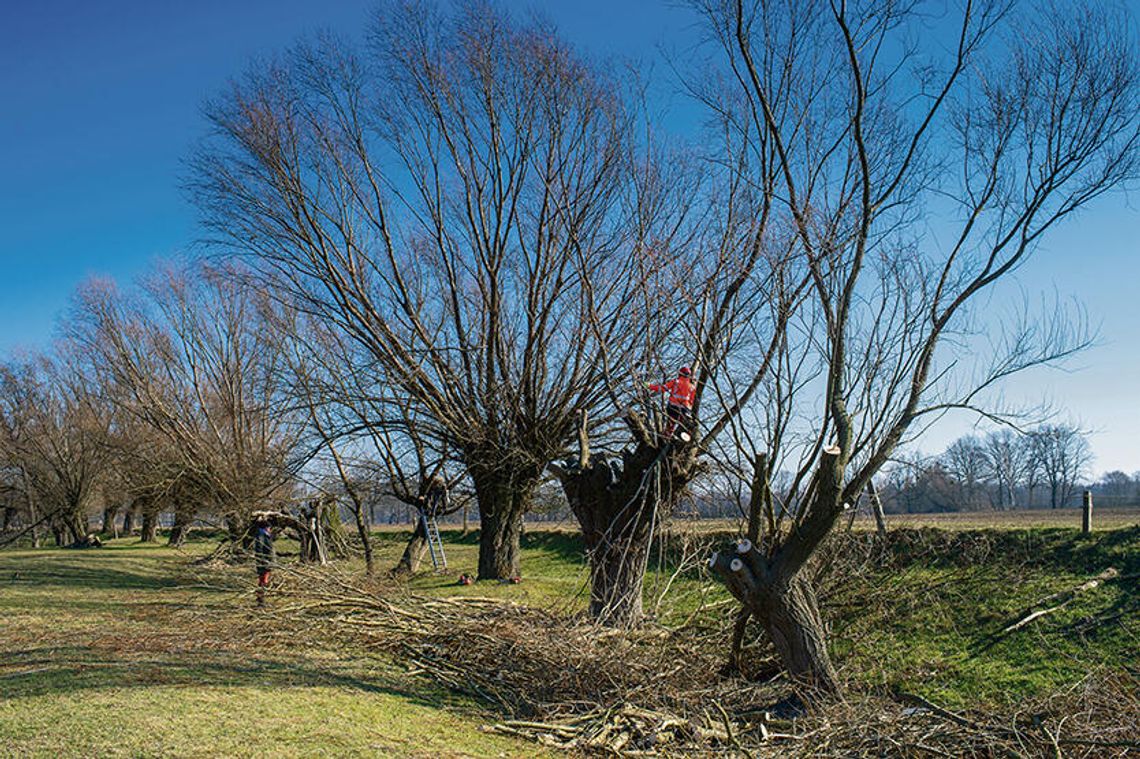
500 533
776 591
109 515
787 609
76 526
618 509
504 496
795 628
182 519
617 577
413 552
149 531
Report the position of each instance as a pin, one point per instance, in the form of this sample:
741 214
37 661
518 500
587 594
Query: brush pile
568 684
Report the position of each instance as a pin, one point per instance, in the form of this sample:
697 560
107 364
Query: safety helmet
686 371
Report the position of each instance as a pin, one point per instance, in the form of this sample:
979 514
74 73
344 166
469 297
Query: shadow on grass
50 671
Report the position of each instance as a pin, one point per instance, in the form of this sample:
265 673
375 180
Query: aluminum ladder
435 544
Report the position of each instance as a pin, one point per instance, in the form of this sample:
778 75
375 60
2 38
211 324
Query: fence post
1086 517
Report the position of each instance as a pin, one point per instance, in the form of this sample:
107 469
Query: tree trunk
618 510
776 591
413 552
37 539
787 609
182 519
149 531
129 520
617 577
109 514
500 531
795 628
877 509
76 526
362 530
504 496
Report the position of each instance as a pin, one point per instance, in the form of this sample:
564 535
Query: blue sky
99 104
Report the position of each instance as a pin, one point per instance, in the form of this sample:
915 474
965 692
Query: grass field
133 651
122 652
1110 518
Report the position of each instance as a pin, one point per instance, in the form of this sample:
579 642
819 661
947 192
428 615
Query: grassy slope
929 618
104 651
109 653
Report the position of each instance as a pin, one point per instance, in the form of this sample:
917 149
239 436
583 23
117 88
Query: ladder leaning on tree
435 544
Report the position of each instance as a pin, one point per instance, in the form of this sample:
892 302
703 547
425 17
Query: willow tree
442 199
196 372
912 179
53 431
712 284
370 436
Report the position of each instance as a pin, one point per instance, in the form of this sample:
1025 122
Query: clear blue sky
99 103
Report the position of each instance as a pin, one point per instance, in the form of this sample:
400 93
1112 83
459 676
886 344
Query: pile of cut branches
566 683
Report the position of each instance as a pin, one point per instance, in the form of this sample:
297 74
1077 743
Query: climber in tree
436 499
679 409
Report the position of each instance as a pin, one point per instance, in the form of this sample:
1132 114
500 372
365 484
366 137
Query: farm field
1108 518
134 650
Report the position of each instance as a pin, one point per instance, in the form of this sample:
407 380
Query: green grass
930 620
126 652
133 651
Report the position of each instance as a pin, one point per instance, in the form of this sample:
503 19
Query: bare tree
442 202
966 461
872 133
1063 453
370 433
193 367
52 433
1006 464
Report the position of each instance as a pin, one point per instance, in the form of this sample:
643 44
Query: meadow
144 650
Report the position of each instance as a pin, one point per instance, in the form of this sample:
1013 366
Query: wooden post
1086 517
758 503
877 508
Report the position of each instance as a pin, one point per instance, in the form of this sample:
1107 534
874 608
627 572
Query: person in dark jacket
263 554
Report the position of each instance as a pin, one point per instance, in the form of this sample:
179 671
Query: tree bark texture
618 508
776 591
786 607
413 552
504 495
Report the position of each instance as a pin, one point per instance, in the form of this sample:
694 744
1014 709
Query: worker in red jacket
682 392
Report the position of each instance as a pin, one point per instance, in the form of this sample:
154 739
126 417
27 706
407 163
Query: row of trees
1003 470
460 251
